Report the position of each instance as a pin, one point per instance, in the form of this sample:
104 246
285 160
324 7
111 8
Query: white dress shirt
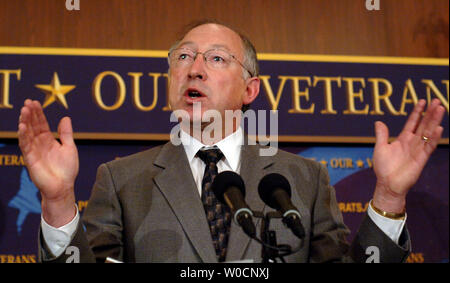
58 239
230 147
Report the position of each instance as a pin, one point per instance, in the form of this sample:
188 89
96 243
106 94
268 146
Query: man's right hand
53 166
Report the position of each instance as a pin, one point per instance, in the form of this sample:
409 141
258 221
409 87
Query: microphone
229 188
275 191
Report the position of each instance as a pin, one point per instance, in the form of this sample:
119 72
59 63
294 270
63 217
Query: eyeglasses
214 58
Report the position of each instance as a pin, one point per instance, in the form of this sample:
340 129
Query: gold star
324 162
360 163
55 91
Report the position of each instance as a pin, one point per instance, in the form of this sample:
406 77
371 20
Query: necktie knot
210 155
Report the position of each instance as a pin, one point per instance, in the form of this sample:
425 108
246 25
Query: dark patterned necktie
217 213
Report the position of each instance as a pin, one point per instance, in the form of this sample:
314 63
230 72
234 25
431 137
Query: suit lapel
177 185
252 171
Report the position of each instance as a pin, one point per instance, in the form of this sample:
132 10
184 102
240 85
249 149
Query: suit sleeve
329 233
99 234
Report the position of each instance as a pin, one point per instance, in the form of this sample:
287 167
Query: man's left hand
398 164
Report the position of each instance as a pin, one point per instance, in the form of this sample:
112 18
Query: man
155 206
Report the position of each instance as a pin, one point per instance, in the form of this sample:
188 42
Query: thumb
65 131
381 133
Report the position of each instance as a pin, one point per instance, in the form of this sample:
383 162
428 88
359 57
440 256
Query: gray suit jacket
146 208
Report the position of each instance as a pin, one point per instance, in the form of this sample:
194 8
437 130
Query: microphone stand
270 249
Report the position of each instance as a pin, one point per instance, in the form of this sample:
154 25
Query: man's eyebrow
186 43
220 46
214 46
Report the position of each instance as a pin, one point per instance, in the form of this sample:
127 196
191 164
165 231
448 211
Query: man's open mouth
193 94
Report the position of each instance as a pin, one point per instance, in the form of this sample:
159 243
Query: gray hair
250 59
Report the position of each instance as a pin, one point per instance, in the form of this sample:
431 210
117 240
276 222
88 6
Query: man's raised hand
53 166
398 164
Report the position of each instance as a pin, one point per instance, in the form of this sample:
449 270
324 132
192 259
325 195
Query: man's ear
252 90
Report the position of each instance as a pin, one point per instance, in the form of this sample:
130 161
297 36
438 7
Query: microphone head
269 184
224 180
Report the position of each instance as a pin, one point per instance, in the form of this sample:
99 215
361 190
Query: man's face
219 89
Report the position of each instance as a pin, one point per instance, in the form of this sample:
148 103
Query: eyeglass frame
204 57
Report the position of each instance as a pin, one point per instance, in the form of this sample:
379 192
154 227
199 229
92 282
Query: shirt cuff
58 239
391 227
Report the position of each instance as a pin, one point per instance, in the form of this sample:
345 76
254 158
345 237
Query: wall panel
414 28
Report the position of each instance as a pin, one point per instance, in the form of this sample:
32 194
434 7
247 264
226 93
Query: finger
27 102
435 119
25 112
65 131
414 117
26 145
432 143
42 120
25 127
434 122
25 116
25 120
381 134
34 108
427 118
24 140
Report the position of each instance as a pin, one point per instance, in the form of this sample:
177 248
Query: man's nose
198 68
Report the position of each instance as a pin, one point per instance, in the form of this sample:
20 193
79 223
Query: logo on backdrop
26 200
341 162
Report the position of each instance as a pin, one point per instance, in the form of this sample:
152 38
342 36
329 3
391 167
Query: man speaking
158 205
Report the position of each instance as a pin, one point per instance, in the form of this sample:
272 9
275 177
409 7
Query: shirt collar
230 147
